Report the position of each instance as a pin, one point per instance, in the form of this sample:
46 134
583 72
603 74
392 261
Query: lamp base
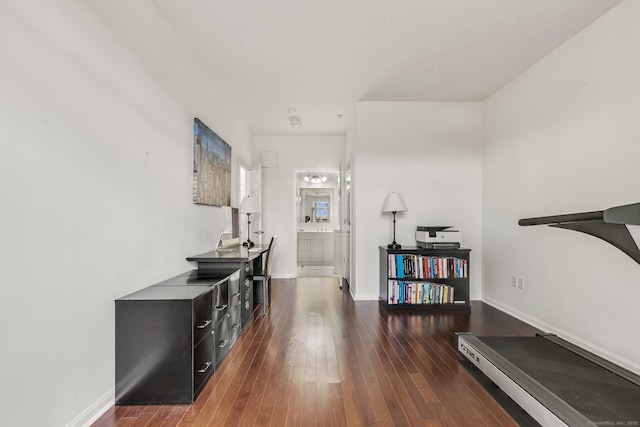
394 245
248 244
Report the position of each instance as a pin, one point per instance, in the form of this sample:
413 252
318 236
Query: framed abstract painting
211 167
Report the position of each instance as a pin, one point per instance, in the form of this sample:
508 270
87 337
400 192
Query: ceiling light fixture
294 120
315 179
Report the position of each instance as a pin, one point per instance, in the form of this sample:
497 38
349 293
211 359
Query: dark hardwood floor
319 358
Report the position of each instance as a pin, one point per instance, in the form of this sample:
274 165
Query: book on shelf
408 292
426 267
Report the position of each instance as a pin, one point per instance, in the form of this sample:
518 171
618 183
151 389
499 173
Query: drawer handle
246 305
204 324
235 295
246 296
223 343
205 367
236 325
221 307
247 282
246 268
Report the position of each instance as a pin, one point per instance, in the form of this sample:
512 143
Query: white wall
564 137
429 152
95 178
278 187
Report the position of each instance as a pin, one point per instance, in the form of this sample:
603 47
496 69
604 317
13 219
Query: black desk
249 262
235 254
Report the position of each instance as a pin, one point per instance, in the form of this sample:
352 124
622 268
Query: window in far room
245 183
321 212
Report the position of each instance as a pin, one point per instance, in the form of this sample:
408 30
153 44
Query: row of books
401 292
426 267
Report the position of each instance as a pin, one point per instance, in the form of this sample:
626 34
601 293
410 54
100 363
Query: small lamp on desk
249 206
394 203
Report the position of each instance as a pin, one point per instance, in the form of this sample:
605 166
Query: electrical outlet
521 283
514 281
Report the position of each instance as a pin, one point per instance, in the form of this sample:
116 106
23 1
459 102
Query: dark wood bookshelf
460 285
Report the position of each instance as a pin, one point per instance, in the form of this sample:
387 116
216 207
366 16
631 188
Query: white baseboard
546 327
365 297
93 412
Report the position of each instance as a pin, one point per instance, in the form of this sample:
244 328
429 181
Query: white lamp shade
249 205
394 203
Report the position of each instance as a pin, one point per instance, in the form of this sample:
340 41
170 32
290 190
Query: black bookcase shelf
440 278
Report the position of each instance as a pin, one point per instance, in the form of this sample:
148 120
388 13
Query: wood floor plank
440 373
106 419
125 422
267 359
256 369
281 407
320 359
174 417
264 415
148 416
188 418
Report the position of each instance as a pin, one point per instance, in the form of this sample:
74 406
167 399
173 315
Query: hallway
305 272
318 358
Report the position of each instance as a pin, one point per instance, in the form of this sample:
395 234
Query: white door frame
294 228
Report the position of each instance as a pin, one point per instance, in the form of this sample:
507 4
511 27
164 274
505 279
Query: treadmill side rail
545 407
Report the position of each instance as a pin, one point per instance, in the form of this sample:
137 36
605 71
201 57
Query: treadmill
556 382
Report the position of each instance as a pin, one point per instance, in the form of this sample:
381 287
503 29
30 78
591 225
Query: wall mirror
317 197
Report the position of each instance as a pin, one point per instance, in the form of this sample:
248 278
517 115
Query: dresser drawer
247 306
223 338
203 317
220 301
203 363
247 295
235 313
234 282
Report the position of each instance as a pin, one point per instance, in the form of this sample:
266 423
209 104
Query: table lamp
249 206
394 203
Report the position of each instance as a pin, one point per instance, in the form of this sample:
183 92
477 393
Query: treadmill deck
576 386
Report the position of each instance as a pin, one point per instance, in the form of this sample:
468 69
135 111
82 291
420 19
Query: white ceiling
321 57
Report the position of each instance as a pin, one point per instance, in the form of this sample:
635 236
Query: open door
255 190
344 233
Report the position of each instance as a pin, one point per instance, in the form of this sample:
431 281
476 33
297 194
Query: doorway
317 222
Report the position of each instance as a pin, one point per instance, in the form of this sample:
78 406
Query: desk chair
265 277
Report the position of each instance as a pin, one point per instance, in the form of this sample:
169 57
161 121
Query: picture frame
211 167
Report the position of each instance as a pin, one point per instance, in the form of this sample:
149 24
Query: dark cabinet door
246 292
203 317
221 301
223 339
203 362
235 311
247 302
